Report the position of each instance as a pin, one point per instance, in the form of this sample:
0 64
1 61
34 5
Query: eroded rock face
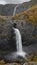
8 51
28 31
7 39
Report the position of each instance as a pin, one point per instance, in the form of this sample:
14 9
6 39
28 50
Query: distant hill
7 10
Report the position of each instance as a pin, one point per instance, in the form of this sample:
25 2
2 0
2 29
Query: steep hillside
30 15
26 6
7 10
27 24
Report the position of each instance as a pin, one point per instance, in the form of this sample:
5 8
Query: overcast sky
12 1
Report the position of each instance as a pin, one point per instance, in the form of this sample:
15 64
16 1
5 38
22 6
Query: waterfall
18 40
15 9
19 43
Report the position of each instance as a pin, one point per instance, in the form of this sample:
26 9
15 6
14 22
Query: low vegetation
3 18
30 15
32 58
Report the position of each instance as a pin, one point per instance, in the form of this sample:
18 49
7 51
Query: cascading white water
19 43
15 9
18 40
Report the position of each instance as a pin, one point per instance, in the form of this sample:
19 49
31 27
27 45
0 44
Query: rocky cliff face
7 39
25 6
7 10
27 24
28 32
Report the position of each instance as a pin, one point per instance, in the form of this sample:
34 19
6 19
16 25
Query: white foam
19 43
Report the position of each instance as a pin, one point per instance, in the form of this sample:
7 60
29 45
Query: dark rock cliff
28 32
7 38
7 10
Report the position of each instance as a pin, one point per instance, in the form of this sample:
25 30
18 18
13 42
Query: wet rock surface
8 40
29 35
28 31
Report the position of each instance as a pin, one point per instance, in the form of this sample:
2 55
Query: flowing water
15 9
19 43
18 38
19 53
